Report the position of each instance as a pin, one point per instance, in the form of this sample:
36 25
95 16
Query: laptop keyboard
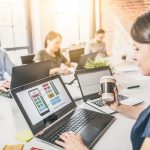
101 103
73 124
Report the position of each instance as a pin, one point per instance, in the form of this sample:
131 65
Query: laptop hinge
43 130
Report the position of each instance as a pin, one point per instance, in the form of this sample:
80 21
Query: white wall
35 21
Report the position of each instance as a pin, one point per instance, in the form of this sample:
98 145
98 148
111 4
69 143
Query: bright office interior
25 23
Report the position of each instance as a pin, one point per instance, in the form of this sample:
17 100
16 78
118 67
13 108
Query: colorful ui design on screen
51 92
38 101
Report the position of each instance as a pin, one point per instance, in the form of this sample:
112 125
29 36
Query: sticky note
13 147
25 135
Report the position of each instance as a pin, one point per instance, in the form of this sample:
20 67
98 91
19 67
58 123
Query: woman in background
140 134
52 52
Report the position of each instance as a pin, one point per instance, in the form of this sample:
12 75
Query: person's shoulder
3 51
40 52
145 115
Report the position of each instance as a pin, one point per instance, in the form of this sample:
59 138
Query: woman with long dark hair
140 134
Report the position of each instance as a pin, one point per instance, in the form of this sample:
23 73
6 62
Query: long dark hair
140 30
51 36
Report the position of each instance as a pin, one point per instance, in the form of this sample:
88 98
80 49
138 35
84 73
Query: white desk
116 137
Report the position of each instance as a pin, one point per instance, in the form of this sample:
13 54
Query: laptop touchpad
89 133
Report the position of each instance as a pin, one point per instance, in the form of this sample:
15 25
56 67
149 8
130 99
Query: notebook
88 80
50 110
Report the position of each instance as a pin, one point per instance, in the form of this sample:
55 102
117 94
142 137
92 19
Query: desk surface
118 135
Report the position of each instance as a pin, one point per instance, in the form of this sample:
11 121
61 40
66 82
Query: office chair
27 59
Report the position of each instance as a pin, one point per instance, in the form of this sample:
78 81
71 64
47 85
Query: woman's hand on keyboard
71 141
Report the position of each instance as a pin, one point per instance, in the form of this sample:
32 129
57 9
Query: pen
134 86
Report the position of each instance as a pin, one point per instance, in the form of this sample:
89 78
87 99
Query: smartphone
38 101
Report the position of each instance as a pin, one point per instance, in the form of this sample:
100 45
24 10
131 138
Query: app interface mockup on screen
43 100
90 81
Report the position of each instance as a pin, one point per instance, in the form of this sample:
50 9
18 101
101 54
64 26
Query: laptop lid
84 59
27 59
88 80
75 54
43 102
28 73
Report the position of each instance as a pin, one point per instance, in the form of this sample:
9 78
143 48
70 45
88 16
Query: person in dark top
52 52
140 134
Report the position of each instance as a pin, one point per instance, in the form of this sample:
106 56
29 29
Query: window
13 27
67 19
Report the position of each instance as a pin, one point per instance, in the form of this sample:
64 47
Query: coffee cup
107 84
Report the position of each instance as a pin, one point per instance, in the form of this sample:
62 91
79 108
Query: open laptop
84 59
50 110
88 80
75 54
28 73
27 59
69 79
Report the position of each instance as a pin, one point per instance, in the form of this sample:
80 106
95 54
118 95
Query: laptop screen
42 100
89 81
28 73
85 58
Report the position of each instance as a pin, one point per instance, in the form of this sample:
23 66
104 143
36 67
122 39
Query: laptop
75 54
27 59
28 73
50 110
84 59
69 79
88 80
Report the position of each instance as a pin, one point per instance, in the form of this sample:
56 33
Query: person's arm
87 49
66 62
8 63
129 111
70 64
38 57
4 85
146 144
60 71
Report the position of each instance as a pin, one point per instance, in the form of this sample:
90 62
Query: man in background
96 44
5 66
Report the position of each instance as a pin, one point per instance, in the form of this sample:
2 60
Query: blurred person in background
5 66
97 44
52 52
